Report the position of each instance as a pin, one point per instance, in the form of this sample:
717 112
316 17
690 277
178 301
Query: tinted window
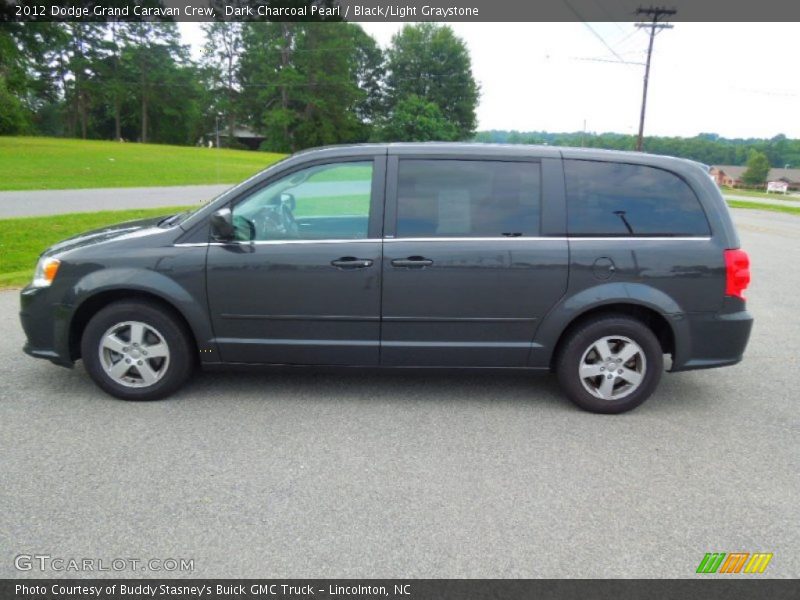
320 202
606 199
466 198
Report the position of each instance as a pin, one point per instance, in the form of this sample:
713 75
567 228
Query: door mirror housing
222 225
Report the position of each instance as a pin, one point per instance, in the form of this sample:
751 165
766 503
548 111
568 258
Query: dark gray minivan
593 264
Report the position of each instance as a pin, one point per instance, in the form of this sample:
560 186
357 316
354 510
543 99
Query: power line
627 38
655 13
606 13
605 60
590 28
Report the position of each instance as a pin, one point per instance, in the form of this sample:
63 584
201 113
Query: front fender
559 318
192 306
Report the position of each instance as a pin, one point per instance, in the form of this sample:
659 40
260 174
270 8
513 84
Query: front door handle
412 262
351 262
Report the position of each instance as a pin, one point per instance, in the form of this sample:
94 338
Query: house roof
790 175
733 171
238 132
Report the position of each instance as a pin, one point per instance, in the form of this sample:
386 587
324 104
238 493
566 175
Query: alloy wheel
612 367
134 354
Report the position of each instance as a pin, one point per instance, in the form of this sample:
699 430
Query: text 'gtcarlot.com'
46 562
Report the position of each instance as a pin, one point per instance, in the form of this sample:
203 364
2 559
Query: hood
126 230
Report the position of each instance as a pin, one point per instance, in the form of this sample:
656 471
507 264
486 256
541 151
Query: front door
467 272
301 282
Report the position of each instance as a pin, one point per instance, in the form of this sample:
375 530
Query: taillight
737 272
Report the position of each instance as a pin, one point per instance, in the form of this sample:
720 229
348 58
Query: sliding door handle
412 262
351 262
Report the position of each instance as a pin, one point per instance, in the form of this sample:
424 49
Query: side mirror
222 225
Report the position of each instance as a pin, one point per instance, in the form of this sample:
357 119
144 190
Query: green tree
368 73
309 83
79 50
25 77
269 77
328 99
757 168
428 60
707 148
14 118
163 84
221 54
115 89
415 120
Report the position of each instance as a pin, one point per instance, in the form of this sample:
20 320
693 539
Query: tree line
299 84
708 148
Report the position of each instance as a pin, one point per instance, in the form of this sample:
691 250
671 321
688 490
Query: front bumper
46 326
714 340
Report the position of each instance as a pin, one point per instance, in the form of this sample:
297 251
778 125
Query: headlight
46 270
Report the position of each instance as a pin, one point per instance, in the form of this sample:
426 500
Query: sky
734 79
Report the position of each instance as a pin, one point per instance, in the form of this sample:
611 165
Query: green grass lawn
756 194
23 239
40 163
792 210
350 204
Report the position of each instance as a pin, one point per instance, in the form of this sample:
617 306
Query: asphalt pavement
55 202
414 474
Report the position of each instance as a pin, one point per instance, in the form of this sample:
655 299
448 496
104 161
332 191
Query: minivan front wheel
610 364
136 351
134 354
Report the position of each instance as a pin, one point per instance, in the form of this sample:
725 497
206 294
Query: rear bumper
713 340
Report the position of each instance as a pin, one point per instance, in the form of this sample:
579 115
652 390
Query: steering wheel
287 215
276 220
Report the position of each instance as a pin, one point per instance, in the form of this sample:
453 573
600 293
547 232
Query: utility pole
654 13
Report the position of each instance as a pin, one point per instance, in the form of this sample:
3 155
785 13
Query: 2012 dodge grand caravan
592 264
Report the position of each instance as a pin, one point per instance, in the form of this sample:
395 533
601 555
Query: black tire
178 341
585 336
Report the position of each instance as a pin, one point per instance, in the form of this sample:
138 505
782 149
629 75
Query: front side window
468 198
329 201
618 199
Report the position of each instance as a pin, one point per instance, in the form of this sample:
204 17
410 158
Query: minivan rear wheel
610 364
137 351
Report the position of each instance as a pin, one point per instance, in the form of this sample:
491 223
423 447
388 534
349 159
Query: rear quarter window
619 199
